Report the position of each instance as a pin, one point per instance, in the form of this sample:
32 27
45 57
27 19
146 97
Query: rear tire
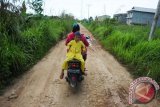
73 84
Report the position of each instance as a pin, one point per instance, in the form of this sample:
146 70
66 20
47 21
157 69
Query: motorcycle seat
74 61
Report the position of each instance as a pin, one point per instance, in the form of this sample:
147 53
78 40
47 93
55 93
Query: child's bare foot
62 75
85 69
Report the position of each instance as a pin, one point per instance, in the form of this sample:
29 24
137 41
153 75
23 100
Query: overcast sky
79 8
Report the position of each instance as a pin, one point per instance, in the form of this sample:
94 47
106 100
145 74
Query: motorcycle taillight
74 65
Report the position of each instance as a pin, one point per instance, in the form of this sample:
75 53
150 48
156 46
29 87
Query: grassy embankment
24 41
130 45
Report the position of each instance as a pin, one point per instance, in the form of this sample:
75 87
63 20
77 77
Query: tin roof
141 9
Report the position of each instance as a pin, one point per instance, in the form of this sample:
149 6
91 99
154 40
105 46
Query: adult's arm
67 40
69 45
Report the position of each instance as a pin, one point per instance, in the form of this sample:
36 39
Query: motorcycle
74 73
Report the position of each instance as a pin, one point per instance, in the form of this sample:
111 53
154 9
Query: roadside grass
27 44
130 45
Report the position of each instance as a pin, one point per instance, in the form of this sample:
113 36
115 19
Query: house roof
107 16
120 14
141 9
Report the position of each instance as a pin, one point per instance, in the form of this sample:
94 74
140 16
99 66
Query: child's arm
83 47
69 45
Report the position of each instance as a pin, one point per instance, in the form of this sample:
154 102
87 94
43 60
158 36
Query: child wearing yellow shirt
74 50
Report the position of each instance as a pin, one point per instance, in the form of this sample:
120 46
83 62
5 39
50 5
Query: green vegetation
24 39
130 45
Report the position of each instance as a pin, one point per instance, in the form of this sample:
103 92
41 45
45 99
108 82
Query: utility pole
81 9
104 9
88 9
43 7
154 24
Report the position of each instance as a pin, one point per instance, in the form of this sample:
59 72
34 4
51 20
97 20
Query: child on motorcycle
74 50
71 36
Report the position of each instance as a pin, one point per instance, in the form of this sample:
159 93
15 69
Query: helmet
75 27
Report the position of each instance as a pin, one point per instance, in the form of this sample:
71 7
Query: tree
91 19
9 19
23 9
96 18
37 6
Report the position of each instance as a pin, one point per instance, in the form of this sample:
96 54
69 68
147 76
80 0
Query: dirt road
105 86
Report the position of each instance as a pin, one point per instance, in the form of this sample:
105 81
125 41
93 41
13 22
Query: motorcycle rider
74 50
71 36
